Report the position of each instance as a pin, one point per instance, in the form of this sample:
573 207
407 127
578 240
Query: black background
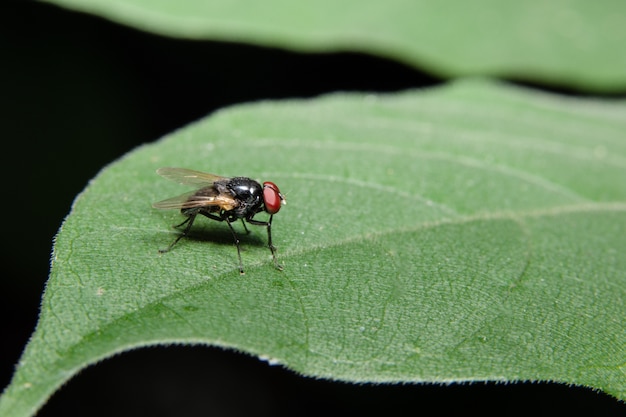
78 92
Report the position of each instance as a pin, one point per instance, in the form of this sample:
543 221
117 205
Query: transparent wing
189 176
193 200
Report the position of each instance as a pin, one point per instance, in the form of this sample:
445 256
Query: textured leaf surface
471 232
576 43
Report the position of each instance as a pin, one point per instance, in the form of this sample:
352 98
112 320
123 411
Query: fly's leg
224 217
189 220
230 226
245 227
268 225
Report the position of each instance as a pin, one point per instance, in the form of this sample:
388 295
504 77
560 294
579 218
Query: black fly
223 199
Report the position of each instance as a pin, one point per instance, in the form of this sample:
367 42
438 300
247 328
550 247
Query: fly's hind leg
189 222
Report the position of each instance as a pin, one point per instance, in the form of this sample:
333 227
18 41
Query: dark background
77 92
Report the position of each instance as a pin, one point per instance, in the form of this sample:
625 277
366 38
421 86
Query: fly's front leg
268 225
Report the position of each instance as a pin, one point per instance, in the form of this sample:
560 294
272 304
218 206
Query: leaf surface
470 232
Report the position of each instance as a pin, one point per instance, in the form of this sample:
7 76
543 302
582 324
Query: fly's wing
189 176
195 200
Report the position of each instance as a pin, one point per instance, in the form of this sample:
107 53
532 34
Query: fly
223 199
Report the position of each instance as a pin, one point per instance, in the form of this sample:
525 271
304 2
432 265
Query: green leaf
470 232
575 43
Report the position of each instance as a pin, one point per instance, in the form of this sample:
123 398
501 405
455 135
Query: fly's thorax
248 193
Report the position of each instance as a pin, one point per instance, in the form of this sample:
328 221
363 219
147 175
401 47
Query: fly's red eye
272 197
